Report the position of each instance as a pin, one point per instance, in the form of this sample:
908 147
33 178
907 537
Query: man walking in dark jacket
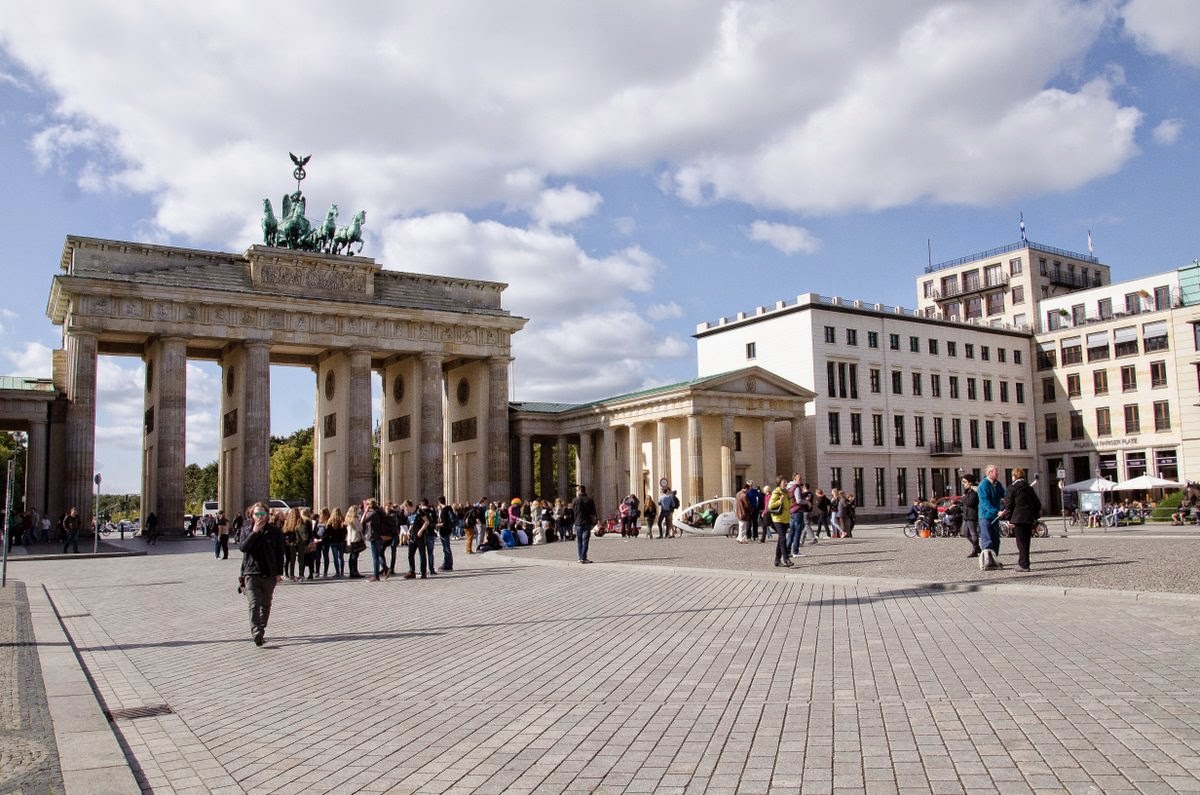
262 568
970 509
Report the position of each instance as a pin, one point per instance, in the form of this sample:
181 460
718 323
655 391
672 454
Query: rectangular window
1072 350
1104 308
880 487
1077 425
935 385
1125 342
921 483
1133 303
1158 374
971 389
1097 346
1003 391
1047 359
1100 382
956 432
835 477
973 432
1051 427
987 389
916 384
919 431
1154 336
898 424
854 382
970 281
875 386
989 434
831 377
1078 315
1128 378
1133 419
1073 388
751 350
1006 435
952 347
992 275
830 334
938 436
1020 385
927 288
1016 356
835 428
842 390
894 341
1162 415
1001 353
1018 295
737 441
985 353
954 387
859 486
933 347
897 382
851 336
1103 422
914 344
877 430
995 304
902 486
1014 266
1022 439
856 429
1162 298
1048 391
974 308
872 339
969 350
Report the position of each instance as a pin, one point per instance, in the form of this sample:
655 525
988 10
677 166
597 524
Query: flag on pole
1022 225
1091 251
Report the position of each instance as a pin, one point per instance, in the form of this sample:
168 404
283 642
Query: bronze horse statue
348 235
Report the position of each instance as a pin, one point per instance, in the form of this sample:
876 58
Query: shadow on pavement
291 640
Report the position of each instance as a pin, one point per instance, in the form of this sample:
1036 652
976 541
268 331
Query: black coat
1021 503
263 551
970 506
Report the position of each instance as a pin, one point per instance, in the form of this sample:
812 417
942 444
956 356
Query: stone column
770 468
359 476
170 431
562 486
662 449
636 486
545 468
81 421
728 441
583 469
256 425
35 467
797 434
524 466
608 499
498 474
695 459
433 448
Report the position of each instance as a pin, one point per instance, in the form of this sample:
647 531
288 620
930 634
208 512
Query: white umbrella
1095 484
1146 482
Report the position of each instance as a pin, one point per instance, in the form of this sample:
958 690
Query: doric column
797 432
498 473
545 469
35 467
608 499
360 472
728 441
636 484
525 466
81 421
256 425
662 449
168 400
770 469
562 487
432 427
695 473
583 468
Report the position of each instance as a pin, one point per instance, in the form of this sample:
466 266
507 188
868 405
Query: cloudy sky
629 168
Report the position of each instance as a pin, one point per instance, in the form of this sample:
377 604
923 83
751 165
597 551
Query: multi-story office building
902 403
1004 285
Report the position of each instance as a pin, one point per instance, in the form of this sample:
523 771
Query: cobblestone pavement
28 754
517 675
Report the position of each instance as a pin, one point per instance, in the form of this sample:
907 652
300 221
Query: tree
292 466
12 446
199 484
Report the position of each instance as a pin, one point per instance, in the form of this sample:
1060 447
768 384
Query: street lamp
96 517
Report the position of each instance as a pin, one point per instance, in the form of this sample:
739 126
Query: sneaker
1022 568
585 560
259 639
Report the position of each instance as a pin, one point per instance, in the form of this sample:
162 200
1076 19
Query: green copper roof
26 384
560 408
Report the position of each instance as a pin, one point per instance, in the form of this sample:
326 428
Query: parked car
945 502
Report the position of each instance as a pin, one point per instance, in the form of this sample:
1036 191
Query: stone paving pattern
28 754
519 675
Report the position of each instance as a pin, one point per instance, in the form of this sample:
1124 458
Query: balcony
945 448
1075 281
986 285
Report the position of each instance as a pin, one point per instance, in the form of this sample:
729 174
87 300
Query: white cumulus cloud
787 238
1167 131
1165 27
565 205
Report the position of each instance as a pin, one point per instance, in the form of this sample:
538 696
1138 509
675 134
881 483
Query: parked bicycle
937 528
1039 529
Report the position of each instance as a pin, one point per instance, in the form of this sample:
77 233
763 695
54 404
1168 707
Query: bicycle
911 529
1040 530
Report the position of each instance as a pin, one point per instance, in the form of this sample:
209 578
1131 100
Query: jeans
795 533
823 524
1023 534
582 536
417 546
970 531
71 539
354 564
989 533
337 549
430 545
664 521
447 555
260 591
379 556
753 529
221 544
781 545
326 549
394 543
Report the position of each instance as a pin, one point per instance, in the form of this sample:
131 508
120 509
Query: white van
210 508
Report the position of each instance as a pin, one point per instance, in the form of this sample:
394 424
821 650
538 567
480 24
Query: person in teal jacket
991 503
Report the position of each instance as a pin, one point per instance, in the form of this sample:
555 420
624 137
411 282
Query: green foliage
199 484
1167 506
117 507
292 466
12 446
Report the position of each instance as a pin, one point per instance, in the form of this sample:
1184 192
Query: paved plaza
687 665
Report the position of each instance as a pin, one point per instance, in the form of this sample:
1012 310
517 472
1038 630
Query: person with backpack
445 526
379 534
1022 506
668 503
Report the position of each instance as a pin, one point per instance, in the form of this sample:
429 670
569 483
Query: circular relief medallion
149 374
463 391
229 382
330 385
398 388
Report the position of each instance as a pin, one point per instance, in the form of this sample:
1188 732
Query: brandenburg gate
441 345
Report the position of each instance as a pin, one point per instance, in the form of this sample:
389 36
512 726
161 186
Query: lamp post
96 517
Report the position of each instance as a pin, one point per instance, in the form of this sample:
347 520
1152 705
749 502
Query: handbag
358 545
